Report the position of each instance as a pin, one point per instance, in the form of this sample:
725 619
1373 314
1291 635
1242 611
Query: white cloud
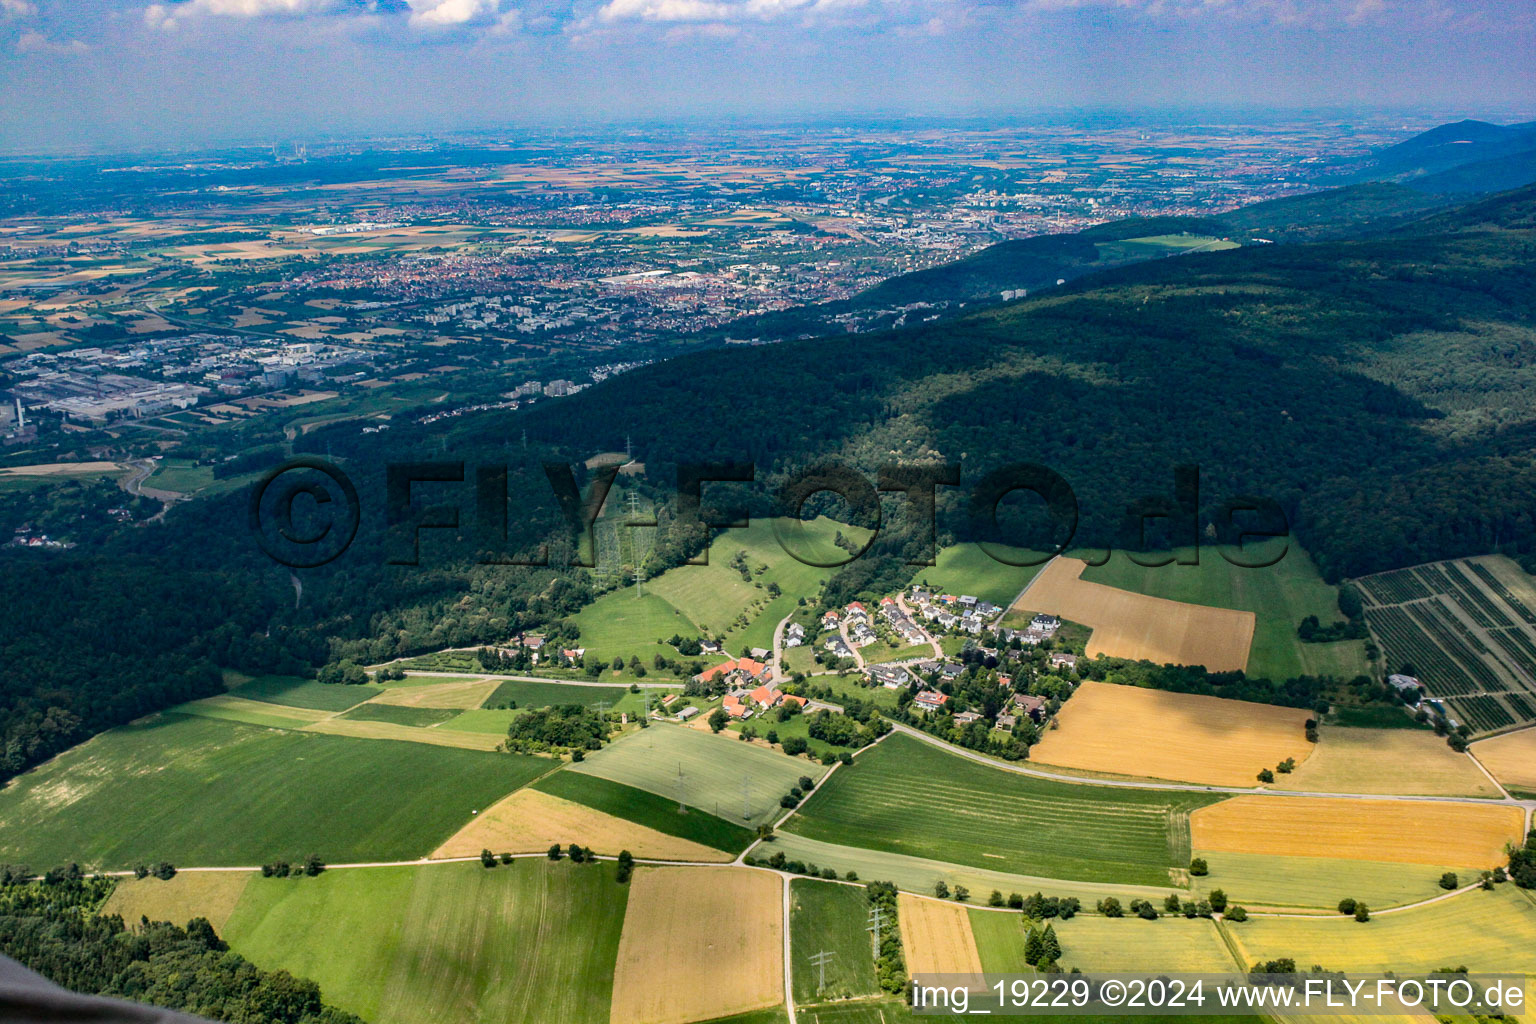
717 11
36 42
447 13
167 16
17 8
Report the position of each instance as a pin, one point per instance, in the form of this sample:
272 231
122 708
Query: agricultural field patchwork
919 875
1486 931
1468 835
689 931
740 782
936 937
1128 730
646 809
1279 597
199 791
529 821
1318 883
532 941
1413 762
251 712
1467 628
1130 625
906 796
372 728
1511 758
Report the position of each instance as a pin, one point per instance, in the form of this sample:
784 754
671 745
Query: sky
124 74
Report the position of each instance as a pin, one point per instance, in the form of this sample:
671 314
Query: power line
876 919
820 961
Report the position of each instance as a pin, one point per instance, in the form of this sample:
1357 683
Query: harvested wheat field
1398 831
1184 737
699 943
1511 758
470 693
366 730
936 937
529 821
1411 762
1128 625
189 894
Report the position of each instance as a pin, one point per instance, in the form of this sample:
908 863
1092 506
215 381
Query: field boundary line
789 988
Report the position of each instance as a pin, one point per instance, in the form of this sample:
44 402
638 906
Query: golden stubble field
1413 762
699 943
1397 831
1511 758
1128 625
529 821
1183 737
189 894
470 693
936 937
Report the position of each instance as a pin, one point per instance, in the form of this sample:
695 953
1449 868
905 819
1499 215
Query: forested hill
1380 389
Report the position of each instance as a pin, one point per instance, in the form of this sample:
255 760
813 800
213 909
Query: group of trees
1522 862
890 964
310 867
569 727
1351 907
53 927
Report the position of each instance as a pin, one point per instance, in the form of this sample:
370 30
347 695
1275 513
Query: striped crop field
910 797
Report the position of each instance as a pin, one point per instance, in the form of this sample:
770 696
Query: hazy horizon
110 75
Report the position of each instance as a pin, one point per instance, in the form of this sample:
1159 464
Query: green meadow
542 695
400 714
305 693
196 791
702 770
826 916
1000 940
907 796
968 569
531 942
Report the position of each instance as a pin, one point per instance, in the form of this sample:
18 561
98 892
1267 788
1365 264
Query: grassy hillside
197 791
530 942
968 569
907 796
